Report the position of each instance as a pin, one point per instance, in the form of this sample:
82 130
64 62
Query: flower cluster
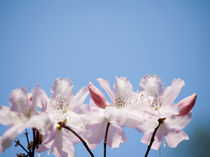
61 120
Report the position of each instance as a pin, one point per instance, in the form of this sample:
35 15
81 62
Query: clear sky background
45 39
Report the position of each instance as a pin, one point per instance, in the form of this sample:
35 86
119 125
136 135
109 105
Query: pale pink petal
147 138
39 98
42 148
62 88
186 105
97 96
78 122
96 132
123 117
48 137
105 84
162 131
80 109
9 136
62 147
41 121
174 137
151 84
149 123
38 121
78 100
168 110
8 117
70 136
171 92
122 87
19 100
115 136
178 122
94 107
80 97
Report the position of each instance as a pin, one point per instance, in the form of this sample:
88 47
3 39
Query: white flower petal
122 87
62 147
8 117
9 136
105 84
19 100
178 122
62 88
171 92
174 137
151 84
115 136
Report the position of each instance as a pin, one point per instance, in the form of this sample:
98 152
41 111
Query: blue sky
83 40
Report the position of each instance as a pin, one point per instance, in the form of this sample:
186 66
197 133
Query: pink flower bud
97 96
186 105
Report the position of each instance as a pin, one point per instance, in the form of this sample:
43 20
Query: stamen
61 104
120 103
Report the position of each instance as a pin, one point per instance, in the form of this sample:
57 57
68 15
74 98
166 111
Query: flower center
61 104
120 102
125 101
156 103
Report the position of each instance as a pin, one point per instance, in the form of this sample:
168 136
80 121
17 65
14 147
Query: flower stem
26 134
153 136
63 125
34 142
105 138
19 144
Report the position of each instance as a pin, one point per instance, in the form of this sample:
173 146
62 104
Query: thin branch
19 144
153 136
63 125
34 142
105 138
26 134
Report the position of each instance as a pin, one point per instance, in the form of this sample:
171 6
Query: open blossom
151 111
119 114
172 117
62 106
22 114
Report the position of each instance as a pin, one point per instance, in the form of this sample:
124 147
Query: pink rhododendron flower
63 105
119 114
22 114
161 106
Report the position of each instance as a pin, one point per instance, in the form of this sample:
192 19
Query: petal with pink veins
178 122
174 137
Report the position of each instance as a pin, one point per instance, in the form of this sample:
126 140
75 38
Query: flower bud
186 105
97 96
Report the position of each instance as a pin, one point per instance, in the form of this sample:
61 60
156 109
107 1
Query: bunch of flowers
62 120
